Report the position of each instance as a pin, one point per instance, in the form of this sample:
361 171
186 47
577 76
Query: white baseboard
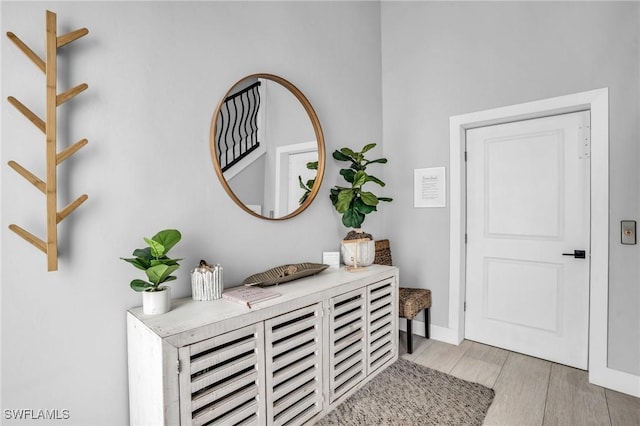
616 380
442 334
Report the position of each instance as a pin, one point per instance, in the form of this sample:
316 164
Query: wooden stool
412 301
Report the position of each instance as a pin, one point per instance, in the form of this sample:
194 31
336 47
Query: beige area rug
408 394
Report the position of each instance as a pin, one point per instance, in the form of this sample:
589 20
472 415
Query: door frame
597 101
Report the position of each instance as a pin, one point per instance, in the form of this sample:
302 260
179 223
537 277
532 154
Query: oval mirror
267 147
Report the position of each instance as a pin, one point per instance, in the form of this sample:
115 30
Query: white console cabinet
285 361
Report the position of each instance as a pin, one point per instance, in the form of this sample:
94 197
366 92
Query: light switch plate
628 230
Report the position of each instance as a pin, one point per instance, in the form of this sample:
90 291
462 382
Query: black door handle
578 254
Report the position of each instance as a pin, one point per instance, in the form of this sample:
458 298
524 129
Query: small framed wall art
429 187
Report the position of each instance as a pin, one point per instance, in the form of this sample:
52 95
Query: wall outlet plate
628 231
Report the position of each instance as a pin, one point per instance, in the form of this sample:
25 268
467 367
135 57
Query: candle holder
206 282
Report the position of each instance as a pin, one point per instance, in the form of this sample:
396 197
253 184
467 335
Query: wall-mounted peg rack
48 126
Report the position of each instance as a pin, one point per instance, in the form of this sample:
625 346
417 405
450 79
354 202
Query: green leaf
368 147
359 179
158 274
352 218
369 199
303 198
138 262
379 160
363 208
333 195
139 285
164 261
375 179
344 200
387 199
312 165
348 174
306 188
168 238
144 253
349 153
340 156
157 249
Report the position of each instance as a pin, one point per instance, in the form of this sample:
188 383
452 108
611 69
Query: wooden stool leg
426 322
409 337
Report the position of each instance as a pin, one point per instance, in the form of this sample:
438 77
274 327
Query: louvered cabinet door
221 379
293 344
347 342
382 317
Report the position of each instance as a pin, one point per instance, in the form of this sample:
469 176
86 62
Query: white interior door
527 205
291 163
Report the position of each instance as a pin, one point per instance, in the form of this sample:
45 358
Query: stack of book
248 296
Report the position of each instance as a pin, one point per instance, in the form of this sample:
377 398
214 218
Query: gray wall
445 59
156 72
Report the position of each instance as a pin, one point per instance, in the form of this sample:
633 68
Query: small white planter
156 302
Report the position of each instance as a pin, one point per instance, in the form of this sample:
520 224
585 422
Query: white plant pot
156 302
364 250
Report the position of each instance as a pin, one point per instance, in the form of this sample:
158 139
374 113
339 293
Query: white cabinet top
190 321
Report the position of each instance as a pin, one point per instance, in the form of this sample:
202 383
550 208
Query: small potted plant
354 203
158 267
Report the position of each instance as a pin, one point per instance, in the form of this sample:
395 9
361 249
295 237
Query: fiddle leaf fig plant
153 260
353 202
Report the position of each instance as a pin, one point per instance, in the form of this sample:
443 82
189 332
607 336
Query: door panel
524 176
522 293
527 204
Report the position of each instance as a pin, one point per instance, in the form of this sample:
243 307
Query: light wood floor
529 391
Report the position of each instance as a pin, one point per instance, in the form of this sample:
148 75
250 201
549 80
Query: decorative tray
284 273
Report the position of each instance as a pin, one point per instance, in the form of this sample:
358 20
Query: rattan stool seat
412 301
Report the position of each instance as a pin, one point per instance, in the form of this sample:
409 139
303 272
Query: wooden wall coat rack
49 128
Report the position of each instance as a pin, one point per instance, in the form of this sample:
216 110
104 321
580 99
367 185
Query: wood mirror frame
316 128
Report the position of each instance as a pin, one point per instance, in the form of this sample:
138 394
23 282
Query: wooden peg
27 51
69 151
64 97
72 36
71 207
29 237
36 181
39 122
